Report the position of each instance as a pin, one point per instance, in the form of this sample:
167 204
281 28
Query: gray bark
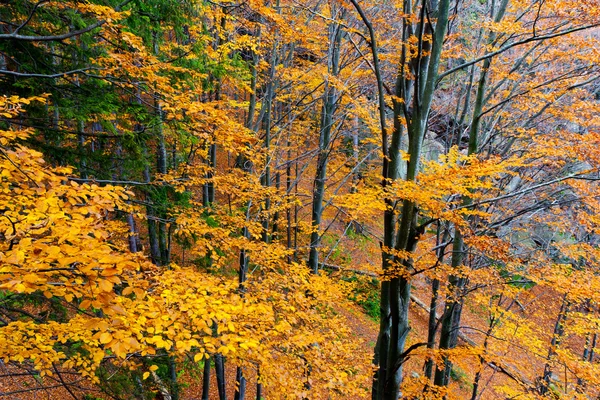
330 100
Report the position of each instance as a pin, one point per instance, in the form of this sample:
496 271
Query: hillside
295 199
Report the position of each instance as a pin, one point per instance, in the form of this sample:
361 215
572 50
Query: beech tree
209 191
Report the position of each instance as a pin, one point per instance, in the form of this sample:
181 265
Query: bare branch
46 76
511 45
33 10
581 176
54 38
50 38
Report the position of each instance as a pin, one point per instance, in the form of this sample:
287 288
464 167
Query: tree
222 152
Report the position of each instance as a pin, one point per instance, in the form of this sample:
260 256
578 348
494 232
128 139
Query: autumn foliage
199 199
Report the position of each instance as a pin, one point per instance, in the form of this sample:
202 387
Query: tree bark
330 100
456 284
544 381
206 380
220 374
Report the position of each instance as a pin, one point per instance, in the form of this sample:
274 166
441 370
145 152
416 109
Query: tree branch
54 38
510 46
531 189
50 38
47 76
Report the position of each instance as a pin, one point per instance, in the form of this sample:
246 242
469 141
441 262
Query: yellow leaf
146 375
105 285
85 304
109 272
105 338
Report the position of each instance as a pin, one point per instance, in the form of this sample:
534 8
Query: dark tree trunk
206 380
395 293
173 378
220 374
240 391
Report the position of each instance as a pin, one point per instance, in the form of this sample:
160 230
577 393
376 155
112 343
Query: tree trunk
435 287
240 390
452 312
132 234
220 374
330 100
544 381
395 293
173 378
206 380
456 285
155 254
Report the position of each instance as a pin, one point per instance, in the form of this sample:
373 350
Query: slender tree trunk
206 380
592 347
477 378
275 230
452 312
456 285
173 378
259 395
296 208
155 254
132 234
432 325
288 188
435 287
330 100
259 386
240 391
220 374
544 381
267 121
395 292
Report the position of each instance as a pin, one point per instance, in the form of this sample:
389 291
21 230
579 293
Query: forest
299 199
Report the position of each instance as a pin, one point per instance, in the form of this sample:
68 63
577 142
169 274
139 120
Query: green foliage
460 376
366 294
121 383
337 255
515 280
358 239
